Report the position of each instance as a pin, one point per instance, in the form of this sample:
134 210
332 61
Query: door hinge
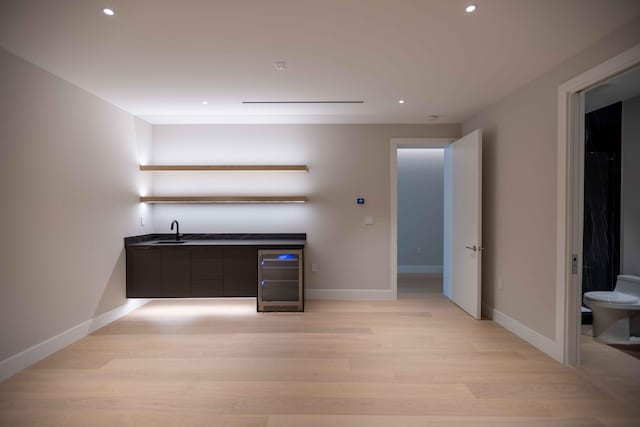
574 264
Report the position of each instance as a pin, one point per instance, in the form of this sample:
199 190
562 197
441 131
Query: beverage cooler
280 280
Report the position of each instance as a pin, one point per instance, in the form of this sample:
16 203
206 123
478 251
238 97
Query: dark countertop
295 240
218 242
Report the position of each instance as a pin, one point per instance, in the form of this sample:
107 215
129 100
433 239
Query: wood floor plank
426 421
136 418
73 388
576 391
617 422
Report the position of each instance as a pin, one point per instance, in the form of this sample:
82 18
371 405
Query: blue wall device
360 200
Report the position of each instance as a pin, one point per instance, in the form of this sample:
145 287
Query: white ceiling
160 58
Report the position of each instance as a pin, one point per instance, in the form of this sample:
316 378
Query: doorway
611 207
420 222
462 213
571 199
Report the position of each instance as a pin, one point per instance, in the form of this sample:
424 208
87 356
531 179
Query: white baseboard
349 294
536 339
28 357
420 269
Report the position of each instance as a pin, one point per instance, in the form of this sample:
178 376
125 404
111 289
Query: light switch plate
368 220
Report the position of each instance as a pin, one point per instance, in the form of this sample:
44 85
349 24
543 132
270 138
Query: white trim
448 210
534 338
576 220
566 298
420 269
349 294
28 357
393 215
396 143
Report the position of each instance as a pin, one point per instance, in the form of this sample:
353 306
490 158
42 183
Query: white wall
144 138
420 209
519 188
630 232
69 183
345 162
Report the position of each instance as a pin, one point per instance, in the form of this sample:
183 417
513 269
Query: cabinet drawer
280 290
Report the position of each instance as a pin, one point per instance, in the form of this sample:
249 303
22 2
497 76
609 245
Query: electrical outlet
141 221
314 268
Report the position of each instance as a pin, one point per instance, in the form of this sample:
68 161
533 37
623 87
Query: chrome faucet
177 224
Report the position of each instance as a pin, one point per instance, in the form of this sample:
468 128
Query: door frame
394 145
569 199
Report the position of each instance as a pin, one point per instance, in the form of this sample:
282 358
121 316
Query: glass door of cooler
280 280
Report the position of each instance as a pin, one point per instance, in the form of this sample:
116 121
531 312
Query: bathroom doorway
611 206
420 173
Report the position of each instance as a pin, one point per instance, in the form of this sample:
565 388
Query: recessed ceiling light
107 11
471 8
205 102
401 101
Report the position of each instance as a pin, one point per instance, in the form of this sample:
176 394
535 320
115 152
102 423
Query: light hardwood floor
418 361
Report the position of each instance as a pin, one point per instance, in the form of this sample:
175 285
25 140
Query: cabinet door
143 272
240 272
206 272
176 280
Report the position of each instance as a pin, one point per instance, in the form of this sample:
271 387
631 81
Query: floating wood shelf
282 168
223 199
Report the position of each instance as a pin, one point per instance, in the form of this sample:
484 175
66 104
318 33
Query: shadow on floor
632 350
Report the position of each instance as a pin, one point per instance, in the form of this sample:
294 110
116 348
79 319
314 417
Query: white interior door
463 222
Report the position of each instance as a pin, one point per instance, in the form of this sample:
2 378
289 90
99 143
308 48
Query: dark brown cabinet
207 272
144 272
158 272
176 277
240 272
195 271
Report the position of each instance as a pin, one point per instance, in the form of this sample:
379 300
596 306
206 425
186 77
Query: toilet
613 311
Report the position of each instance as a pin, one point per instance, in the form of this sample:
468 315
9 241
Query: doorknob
475 248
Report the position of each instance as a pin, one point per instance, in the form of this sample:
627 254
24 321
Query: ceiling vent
303 102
